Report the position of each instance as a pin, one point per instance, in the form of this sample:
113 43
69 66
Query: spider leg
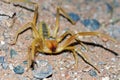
85 58
32 50
68 41
61 11
29 25
71 34
25 27
35 13
63 36
71 48
96 34
73 37
29 58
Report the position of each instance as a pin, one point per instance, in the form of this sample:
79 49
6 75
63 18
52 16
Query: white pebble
107 67
75 79
2 42
113 59
45 79
75 73
105 78
11 66
63 75
61 68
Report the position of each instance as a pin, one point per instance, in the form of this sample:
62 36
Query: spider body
45 43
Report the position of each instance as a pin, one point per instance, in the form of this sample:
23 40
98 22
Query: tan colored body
45 43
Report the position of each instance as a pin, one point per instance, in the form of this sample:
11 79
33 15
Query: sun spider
50 44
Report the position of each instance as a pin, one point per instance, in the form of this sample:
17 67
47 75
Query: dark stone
92 24
43 70
18 69
92 73
13 53
75 17
1 59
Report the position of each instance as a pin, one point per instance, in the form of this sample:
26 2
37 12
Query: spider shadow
23 7
95 45
101 46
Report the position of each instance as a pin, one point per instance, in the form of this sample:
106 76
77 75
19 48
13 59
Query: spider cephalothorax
45 43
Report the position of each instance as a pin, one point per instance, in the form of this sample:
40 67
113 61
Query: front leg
70 33
85 58
31 55
71 48
29 25
71 38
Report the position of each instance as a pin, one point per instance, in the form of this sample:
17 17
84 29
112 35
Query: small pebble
109 7
101 63
43 70
6 35
104 39
113 59
114 31
5 48
61 68
4 66
45 79
92 73
107 67
13 53
1 59
75 17
86 69
63 75
91 24
11 66
18 69
2 42
105 78
75 79
28 37
25 62
116 3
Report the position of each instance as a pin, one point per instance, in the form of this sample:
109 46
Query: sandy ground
13 17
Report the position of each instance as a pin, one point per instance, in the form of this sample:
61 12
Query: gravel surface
90 15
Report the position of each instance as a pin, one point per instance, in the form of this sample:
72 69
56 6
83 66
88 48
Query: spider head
51 44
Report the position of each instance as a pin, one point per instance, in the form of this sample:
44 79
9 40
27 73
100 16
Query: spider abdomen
45 30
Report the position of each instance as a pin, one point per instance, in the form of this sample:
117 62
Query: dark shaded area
95 45
101 46
32 66
8 15
18 5
19 69
86 61
91 24
75 17
43 78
